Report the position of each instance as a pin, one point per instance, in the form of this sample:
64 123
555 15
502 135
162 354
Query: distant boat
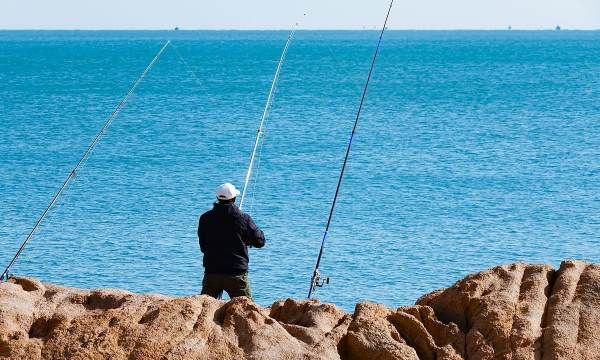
557 28
176 28
509 27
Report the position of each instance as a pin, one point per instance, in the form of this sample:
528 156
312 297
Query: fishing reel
5 277
318 282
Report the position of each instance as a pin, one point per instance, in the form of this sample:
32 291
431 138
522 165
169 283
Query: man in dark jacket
225 233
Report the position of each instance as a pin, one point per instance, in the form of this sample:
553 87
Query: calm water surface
474 149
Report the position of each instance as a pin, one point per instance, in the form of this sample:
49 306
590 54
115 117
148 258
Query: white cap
227 192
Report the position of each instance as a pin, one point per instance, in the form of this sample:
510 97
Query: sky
281 14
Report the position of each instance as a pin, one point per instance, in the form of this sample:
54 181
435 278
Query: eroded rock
517 311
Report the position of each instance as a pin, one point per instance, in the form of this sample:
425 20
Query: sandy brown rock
516 311
573 314
522 311
320 326
372 336
430 338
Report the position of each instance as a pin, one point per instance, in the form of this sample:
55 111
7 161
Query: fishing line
316 277
187 66
83 159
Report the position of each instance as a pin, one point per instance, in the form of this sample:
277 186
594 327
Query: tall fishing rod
265 113
82 160
316 277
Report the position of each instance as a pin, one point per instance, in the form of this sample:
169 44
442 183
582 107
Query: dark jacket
225 233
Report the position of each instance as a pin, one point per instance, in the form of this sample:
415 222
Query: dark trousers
234 285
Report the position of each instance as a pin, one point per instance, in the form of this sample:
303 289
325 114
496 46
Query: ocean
474 149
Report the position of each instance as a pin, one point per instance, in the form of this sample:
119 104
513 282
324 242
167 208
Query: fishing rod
265 113
316 280
83 159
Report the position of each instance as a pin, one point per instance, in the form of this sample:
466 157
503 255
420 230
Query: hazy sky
279 14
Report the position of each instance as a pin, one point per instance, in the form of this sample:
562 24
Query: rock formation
516 311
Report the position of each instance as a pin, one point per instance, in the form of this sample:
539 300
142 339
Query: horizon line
301 29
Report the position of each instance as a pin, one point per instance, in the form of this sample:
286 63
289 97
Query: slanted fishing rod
316 280
82 160
265 113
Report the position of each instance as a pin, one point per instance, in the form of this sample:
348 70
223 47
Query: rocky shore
516 311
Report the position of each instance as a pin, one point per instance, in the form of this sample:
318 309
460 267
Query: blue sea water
474 149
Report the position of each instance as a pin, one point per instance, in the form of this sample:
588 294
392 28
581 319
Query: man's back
224 234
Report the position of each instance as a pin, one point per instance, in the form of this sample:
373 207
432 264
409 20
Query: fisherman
224 234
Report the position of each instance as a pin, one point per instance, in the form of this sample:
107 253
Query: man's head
226 193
